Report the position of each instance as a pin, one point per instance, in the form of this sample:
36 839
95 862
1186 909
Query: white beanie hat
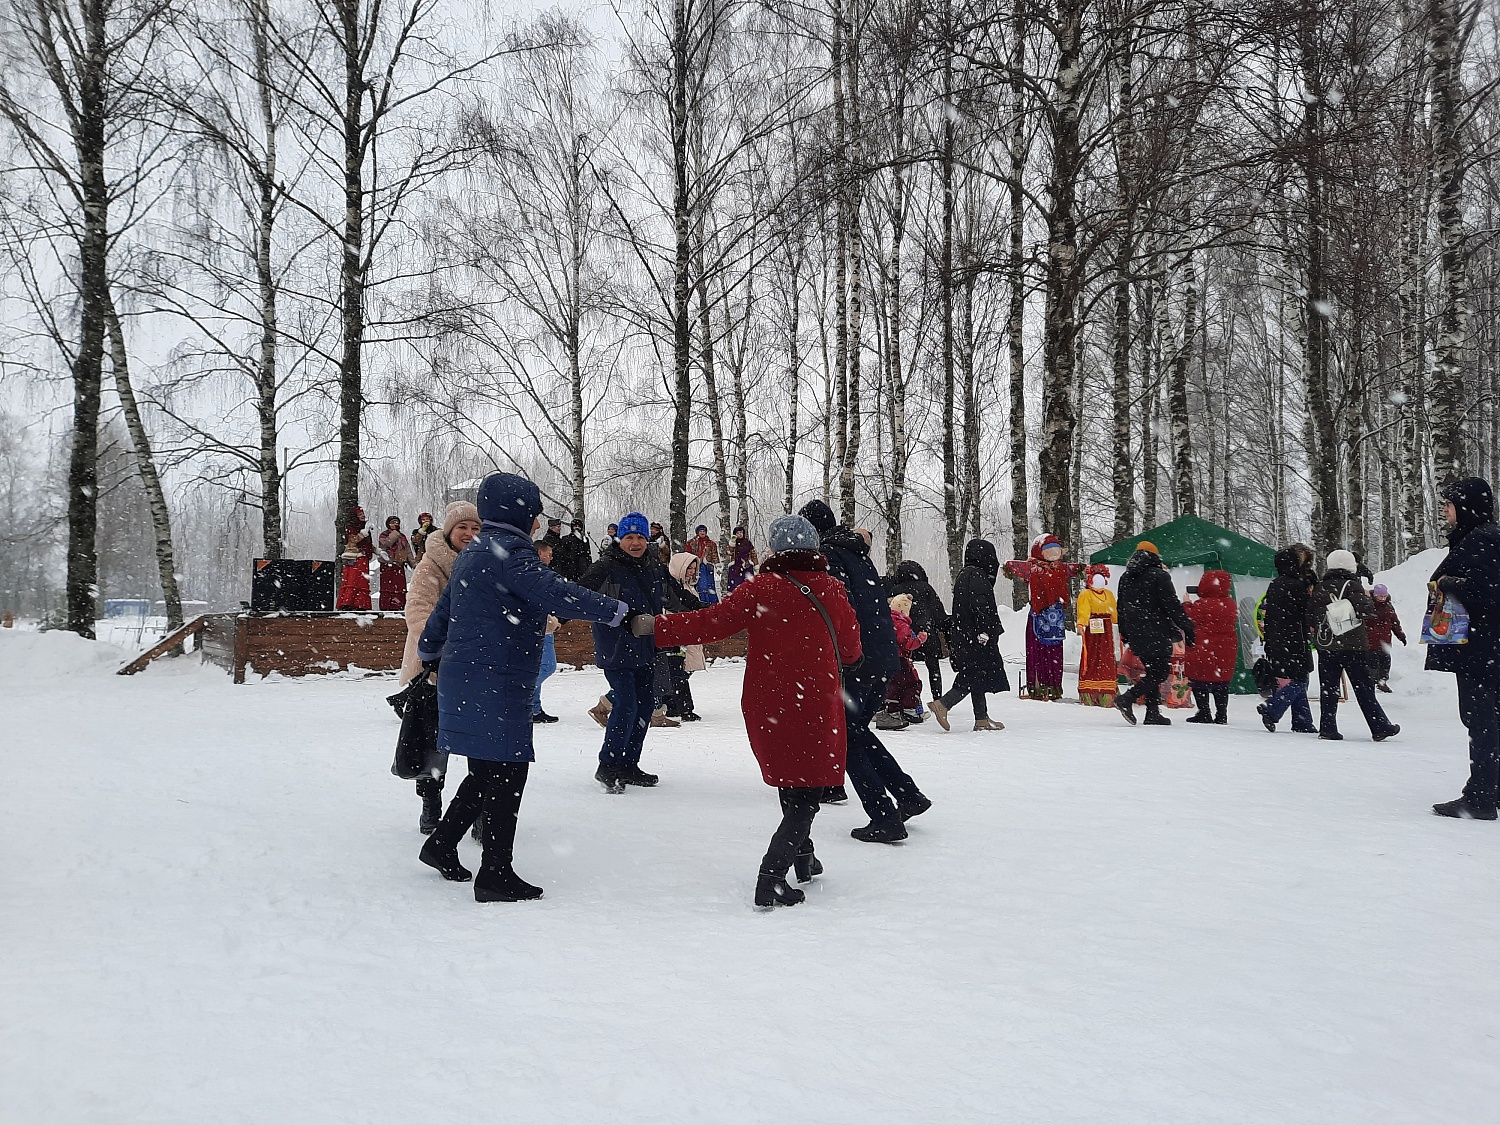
1342 560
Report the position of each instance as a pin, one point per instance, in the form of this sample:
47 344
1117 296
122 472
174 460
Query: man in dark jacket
627 571
1344 653
1471 574
927 616
870 765
1151 621
1287 643
571 551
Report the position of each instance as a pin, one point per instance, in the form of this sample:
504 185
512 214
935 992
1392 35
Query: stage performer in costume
1046 576
395 557
359 548
1098 673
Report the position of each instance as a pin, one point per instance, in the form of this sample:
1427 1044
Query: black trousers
1379 661
1333 665
680 701
1479 707
1158 662
934 675
495 788
870 766
960 689
793 835
1202 693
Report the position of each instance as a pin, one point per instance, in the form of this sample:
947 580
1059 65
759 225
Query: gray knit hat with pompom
794 533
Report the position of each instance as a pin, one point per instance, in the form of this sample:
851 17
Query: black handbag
416 745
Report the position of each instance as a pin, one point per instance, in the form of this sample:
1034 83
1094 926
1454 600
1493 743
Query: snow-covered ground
211 911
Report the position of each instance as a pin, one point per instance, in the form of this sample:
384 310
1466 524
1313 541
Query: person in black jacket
974 637
1151 620
870 765
1346 653
627 571
572 556
1471 574
1288 646
927 616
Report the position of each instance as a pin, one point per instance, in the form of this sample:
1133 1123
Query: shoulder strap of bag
818 605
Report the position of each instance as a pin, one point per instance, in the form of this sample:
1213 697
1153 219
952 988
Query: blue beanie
634 524
794 533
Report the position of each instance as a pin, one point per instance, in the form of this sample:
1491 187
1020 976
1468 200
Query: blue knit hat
634 524
793 533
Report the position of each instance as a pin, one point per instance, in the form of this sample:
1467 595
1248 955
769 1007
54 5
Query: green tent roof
1190 541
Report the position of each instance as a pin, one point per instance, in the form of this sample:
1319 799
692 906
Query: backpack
1339 618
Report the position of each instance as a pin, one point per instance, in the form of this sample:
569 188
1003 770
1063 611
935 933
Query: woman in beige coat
460 525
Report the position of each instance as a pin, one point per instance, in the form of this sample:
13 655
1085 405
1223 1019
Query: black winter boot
772 890
1221 706
502 884
835 795
1203 715
632 774
609 777
430 789
915 807
881 832
1125 704
1462 810
444 861
1154 718
806 863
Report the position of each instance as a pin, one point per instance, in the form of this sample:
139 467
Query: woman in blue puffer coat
484 639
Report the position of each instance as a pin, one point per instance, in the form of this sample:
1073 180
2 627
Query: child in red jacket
1379 629
903 695
1216 645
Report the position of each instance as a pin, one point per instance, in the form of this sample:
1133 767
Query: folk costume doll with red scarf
359 548
1098 671
1046 577
395 557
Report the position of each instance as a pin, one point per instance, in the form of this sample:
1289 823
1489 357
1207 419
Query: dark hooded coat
1471 573
1151 616
488 626
639 583
1288 650
927 612
849 561
976 615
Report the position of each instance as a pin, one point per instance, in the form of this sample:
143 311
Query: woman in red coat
793 696
1216 645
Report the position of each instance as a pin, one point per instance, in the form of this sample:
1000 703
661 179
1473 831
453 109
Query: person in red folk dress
359 548
802 630
1216 644
395 557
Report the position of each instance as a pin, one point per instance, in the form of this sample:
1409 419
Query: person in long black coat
1287 642
1347 653
1471 574
1151 621
927 616
974 637
870 765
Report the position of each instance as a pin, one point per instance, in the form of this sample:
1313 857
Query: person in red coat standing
1215 647
802 630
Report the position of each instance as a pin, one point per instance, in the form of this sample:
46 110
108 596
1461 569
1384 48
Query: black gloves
431 666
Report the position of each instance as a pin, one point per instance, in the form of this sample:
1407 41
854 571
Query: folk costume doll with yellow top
1046 577
1098 616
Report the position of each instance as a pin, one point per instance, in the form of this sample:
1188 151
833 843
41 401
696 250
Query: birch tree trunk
351 37
1177 394
682 342
1020 517
145 464
1448 415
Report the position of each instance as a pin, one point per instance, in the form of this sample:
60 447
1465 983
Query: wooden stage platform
311 644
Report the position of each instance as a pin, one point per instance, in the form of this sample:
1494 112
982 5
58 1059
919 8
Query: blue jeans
549 665
635 699
1294 695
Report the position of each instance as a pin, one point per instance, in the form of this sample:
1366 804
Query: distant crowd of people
833 646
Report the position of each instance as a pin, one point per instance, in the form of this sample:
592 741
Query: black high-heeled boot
1203 715
772 890
806 863
444 860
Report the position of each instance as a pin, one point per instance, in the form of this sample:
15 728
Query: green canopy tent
1189 546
